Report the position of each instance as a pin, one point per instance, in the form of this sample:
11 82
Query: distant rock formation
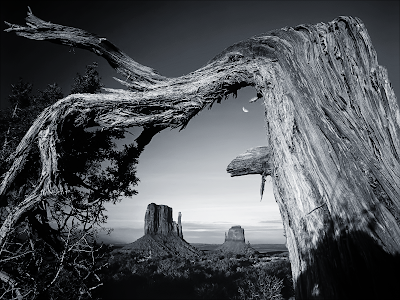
179 226
158 220
235 242
162 236
235 233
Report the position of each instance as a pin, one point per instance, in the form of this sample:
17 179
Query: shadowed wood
333 126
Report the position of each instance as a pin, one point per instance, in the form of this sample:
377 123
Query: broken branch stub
253 161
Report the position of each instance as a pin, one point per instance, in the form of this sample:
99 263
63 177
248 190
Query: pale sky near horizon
186 169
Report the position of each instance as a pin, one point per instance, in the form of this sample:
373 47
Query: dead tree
333 126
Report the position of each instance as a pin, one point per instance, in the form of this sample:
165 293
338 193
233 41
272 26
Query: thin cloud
271 221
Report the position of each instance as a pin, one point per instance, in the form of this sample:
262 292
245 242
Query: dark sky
186 170
175 37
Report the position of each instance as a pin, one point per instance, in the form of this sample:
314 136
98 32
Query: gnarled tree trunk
333 126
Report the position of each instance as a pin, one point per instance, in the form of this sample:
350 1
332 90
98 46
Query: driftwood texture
253 161
333 126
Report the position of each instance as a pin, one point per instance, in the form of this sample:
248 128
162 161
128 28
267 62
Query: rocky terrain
162 235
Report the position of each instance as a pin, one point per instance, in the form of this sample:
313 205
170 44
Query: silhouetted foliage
90 82
18 118
21 94
211 276
52 253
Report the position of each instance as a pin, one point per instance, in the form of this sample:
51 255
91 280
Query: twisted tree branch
37 29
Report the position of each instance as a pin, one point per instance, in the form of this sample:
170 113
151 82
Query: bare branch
8 280
16 256
38 29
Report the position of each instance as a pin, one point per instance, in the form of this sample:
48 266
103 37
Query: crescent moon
245 110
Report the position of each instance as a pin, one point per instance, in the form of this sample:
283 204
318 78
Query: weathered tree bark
253 161
333 126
